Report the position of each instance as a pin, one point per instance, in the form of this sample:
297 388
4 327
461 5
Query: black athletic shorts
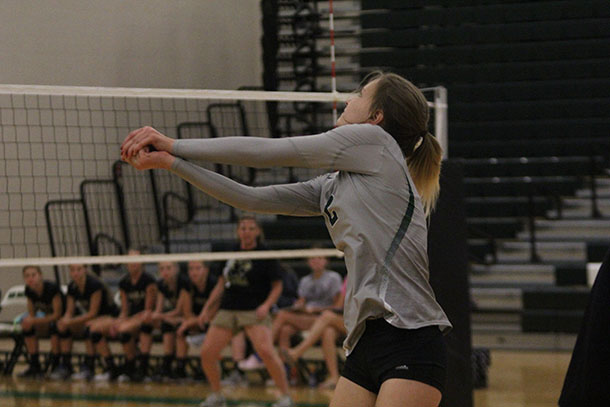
386 352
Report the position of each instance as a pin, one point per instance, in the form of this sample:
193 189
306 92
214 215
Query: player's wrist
168 161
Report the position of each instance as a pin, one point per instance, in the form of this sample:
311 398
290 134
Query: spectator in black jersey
173 288
242 347
46 297
138 291
201 284
87 299
244 293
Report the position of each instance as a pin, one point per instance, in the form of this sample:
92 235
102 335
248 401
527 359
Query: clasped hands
146 149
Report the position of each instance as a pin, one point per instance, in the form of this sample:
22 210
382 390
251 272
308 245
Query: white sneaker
195 340
83 374
102 377
251 363
61 372
284 401
106 376
214 400
235 378
123 378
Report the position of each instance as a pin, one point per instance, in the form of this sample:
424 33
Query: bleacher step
511 273
496 327
483 320
516 340
490 298
602 192
582 212
549 252
569 229
575 202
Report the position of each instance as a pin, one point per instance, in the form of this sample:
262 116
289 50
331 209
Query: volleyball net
65 192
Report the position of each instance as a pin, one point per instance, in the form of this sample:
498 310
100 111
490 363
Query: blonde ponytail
425 167
405 117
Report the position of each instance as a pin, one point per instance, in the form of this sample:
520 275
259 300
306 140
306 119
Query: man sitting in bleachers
318 291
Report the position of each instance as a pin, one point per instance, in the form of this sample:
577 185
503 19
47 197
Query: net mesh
66 194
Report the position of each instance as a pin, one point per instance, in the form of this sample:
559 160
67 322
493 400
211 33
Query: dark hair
248 216
405 117
37 268
205 263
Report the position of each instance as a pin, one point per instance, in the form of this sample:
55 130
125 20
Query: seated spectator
46 297
138 292
173 289
327 328
201 284
87 299
318 291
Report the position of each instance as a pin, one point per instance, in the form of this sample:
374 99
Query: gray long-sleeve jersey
371 208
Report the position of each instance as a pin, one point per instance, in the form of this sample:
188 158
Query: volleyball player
46 297
87 299
200 287
173 289
138 291
385 181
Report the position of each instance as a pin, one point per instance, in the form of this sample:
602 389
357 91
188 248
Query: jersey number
332 216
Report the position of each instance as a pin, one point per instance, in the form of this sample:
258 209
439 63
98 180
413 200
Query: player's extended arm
355 148
301 199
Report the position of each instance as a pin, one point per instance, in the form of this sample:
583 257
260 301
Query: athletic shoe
214 400
284 401
84 373
235 378
161 375
252 363
123 378
195 340
62 372
31 373
106 376
132 377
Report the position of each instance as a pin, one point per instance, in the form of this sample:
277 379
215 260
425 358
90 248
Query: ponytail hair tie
419 143
421 140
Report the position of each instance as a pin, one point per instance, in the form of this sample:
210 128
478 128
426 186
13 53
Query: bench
12 348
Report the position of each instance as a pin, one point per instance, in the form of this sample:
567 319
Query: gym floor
516 379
